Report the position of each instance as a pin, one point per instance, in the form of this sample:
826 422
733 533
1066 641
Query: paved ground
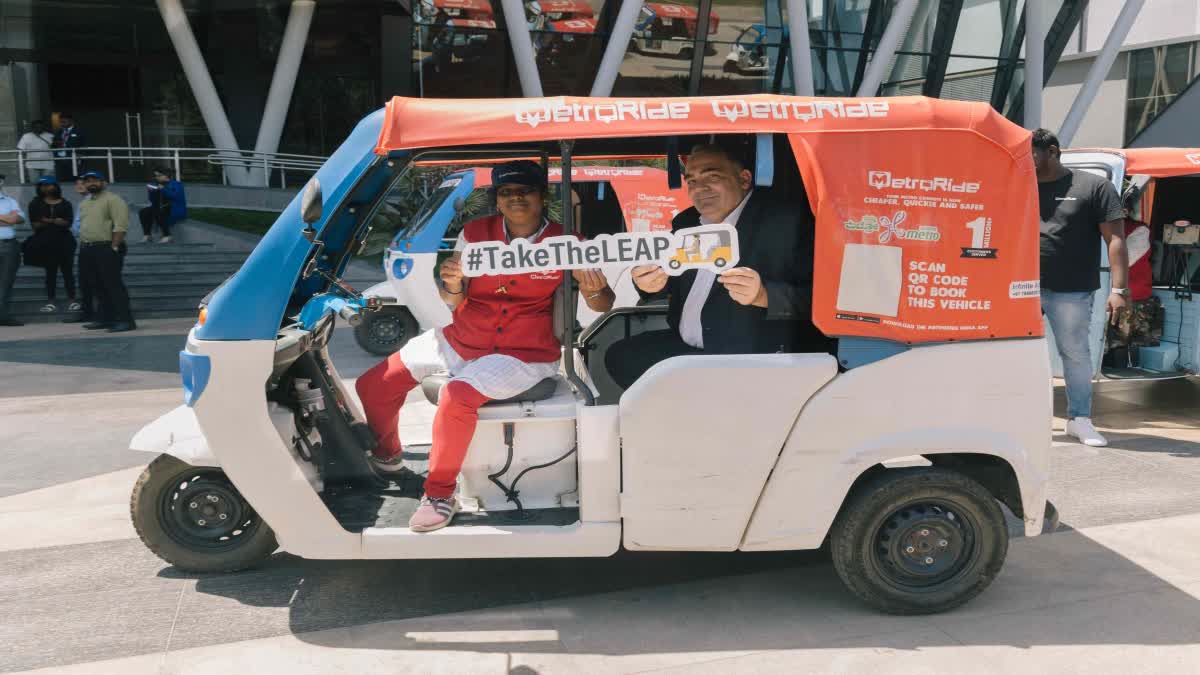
1118 590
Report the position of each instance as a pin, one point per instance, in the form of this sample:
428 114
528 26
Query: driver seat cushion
432 388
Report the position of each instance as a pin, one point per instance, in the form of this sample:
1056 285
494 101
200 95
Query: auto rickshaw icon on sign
711 246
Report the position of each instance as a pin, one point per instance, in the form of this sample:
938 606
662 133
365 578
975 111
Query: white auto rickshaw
900 451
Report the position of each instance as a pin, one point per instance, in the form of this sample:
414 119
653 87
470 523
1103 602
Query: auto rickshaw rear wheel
919 540
194 518
384 331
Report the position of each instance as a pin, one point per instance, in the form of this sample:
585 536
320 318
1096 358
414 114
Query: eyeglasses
509 192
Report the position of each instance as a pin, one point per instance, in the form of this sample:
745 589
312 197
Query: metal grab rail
264 162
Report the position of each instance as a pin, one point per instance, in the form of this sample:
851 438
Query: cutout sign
711 247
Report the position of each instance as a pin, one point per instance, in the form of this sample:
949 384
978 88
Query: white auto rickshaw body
705 453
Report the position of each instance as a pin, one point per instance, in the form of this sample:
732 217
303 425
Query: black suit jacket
72 139
775 239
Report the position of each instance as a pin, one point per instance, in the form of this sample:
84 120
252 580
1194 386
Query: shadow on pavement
152 353
1062 589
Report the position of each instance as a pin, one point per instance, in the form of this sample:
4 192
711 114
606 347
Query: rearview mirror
459 204
310 203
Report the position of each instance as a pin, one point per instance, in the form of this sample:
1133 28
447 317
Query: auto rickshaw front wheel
919 540
194 518
384 331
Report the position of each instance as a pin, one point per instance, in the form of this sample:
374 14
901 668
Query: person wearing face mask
499 343
762 306
103 223
11 215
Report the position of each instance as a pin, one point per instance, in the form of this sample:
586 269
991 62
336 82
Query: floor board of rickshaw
392 506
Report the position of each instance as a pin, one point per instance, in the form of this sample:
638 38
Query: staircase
164 280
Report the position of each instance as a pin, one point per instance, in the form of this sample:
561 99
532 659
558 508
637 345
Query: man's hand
744 286
451 274
590 281
1117 305
649 278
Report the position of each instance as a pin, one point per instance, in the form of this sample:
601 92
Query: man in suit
762 306
66 142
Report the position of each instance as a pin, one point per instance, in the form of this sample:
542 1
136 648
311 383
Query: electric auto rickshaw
616 199
1162 183
898 448
748 53
700 248
670 30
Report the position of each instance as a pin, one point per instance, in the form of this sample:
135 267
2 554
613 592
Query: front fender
177 433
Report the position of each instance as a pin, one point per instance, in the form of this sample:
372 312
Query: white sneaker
1081 428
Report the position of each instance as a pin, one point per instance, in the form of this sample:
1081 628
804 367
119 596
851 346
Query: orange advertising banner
915 244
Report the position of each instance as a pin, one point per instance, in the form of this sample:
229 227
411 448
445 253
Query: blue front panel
194 370
251 305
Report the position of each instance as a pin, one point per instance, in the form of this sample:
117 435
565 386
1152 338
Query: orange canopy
412 123
578 7
926 210
1154 162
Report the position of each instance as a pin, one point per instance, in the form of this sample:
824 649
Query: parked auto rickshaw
748 53
616 199
542 13
896 451
1164 183
670 30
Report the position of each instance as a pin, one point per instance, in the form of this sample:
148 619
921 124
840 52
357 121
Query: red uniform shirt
1137 241
509 314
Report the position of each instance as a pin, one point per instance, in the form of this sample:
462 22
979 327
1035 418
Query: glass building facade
114 66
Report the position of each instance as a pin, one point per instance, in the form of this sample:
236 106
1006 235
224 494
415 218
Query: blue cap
47 180
519 172
92 174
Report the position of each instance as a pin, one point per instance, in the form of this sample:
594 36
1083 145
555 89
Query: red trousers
383 390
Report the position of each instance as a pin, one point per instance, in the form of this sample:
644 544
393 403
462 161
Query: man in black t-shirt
1077 209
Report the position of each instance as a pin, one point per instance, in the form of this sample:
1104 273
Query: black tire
164 511
731 67
720 262
685 53
892 526
384 331
674 264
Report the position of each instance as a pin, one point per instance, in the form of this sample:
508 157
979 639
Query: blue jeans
1070 316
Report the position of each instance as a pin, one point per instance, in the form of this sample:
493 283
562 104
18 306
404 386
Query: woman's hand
590 281
451 274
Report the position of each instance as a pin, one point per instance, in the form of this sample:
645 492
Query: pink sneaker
434 514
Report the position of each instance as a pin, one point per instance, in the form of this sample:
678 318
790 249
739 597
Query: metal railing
260 168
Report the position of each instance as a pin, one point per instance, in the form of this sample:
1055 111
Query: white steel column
279 97
917 28
202 85
1035 49
1099 70
801 51
897 27
522 46
614 51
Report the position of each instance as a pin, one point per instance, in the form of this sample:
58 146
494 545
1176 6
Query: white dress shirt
7 206
690 327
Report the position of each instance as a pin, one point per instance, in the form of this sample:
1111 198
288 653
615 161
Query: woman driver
500 342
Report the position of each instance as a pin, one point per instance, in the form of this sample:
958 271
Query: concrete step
149 279
143 308
179 289
162 271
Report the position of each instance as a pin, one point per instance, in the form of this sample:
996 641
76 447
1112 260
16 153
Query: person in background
66 141
103 223
1142 324
51 217
167 205
1077 210
36 144
86 313
11 215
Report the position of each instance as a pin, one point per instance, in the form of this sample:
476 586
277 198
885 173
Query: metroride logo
739 109
882 180
1194 157
607 113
